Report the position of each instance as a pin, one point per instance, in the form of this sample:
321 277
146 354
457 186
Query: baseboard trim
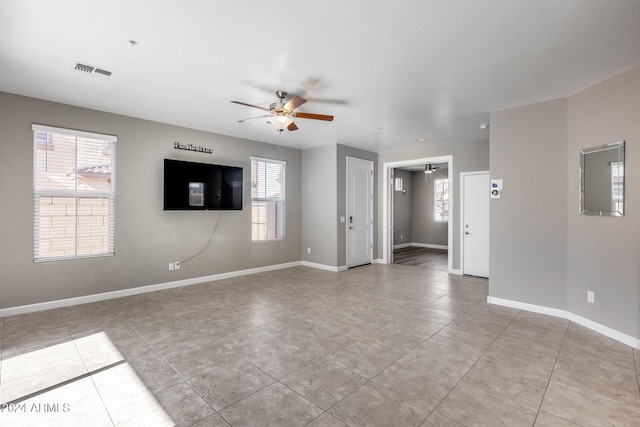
429 245
402 245
49 305
455 271
378 261
323 266
582 321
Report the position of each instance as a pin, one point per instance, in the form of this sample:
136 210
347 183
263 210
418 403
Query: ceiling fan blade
294 103
328 101
292 126
314 116
250 105
253 118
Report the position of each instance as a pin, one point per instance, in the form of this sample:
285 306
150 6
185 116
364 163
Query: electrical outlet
308 250
177 265
591 297
170 266
401 237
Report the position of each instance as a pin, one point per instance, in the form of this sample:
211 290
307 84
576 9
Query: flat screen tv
201 186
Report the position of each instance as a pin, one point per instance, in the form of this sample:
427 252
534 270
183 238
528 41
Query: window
399 184
267 199
73 194
441 199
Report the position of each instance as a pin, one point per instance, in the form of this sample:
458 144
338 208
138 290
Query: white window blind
267 199
73 194
441 199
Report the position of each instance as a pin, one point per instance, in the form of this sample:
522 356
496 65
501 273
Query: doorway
359 212
420 216
474 236
389 193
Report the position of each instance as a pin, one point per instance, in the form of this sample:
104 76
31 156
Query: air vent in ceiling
102 72
84 68
91 70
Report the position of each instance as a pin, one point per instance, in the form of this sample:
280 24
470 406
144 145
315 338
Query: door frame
387 207
462 176
346 196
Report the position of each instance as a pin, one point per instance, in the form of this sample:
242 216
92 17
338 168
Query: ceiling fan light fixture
281 115
280 122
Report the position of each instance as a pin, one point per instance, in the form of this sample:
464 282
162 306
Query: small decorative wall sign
191 147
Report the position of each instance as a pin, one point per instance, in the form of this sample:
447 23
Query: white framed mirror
602 180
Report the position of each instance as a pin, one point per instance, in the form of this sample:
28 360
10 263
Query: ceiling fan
281 115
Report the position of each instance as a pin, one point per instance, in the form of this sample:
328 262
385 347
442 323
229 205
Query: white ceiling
390 72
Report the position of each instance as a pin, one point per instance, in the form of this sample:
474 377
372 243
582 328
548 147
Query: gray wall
319 205
402 209
529 222
467 157
424 228
342 152
542 250
604 252
147 238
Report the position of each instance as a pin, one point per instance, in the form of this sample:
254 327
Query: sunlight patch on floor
77 383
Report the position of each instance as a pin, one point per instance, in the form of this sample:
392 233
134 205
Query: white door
475 224
359 212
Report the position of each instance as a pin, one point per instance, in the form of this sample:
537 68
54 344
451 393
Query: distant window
441 199
73 194
267 199
399 184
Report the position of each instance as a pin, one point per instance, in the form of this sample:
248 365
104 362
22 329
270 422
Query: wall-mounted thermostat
496 188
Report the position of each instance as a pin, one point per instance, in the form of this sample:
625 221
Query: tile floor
381 345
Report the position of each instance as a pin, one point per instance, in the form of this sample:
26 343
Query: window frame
110 141
435 199
282 198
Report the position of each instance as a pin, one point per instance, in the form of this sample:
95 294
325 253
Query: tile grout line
152 348
241 359
470 368
555 363
370 380
635 363
63 383
87 368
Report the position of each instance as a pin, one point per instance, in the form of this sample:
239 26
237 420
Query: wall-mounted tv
201 186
